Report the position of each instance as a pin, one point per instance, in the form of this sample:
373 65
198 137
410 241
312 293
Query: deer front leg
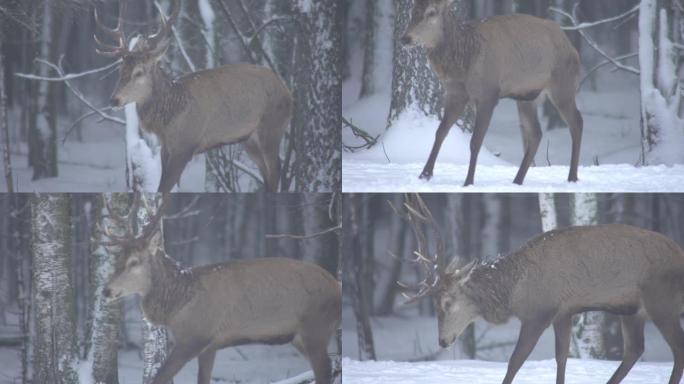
206 365
453 108
181 354
530 331
485 108
172 169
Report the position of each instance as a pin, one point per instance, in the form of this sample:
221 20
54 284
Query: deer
207 308
203 110
516 56
631 272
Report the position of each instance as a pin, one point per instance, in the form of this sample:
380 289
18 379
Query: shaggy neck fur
166 100
170 290
460 44
490 286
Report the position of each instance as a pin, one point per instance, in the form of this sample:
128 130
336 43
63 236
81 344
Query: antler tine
116 34
166 23
154 220
418 215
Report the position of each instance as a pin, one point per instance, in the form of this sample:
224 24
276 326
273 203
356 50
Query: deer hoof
425 176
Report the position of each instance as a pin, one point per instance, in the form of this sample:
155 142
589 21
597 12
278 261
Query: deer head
426 27
139 65
134 274
455 310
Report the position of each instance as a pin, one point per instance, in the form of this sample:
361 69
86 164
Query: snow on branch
305 237
573 19
63 77
585 25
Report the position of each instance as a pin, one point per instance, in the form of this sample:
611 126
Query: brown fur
479 62
267 300
621 269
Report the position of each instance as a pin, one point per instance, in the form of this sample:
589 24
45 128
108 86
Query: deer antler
116 34
418 216
130 238
166 24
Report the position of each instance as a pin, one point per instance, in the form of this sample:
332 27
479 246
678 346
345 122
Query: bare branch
585 25
592 43
304 237
68 76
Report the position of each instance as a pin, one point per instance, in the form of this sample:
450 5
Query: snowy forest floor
611 138
233 365
418 342
97 163
485 372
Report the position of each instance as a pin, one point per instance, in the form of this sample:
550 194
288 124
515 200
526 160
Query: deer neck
453 55
490 287
170 291
167 99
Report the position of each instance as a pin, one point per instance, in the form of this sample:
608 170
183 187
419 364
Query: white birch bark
155 339
662 127
547 209
55 358
587 337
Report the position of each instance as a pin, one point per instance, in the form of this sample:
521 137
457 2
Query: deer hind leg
314 346
563 97
664 311
561 328
270 147
633 339
206 364
532 133
253 148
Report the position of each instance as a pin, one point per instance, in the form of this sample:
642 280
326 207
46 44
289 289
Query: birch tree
318 91
55 353
106 316
547 209
661 88
587 338
156 342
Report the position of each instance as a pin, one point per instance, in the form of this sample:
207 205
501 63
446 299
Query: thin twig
585 25
68 76
592 43
304 237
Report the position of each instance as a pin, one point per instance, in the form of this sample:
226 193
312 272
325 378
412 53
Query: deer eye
137 73
447 305
133 263
431 13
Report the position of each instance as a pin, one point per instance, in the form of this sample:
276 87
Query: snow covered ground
486 372
611 139
96 164
252 364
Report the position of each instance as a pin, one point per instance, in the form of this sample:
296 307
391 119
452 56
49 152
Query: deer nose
115 102
406 40
107 292
443 343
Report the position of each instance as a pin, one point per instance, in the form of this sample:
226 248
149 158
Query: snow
612 138
485 372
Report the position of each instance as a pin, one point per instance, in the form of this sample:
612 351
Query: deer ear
158 52
457 269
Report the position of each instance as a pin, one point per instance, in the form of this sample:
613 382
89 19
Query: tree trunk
318 92
662 136
587 338
156 342
106 316
55 348
547 209
354 256
414 84
4 125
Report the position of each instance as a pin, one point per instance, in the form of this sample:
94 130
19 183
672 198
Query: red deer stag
236 103
211 307
514 56
628 271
